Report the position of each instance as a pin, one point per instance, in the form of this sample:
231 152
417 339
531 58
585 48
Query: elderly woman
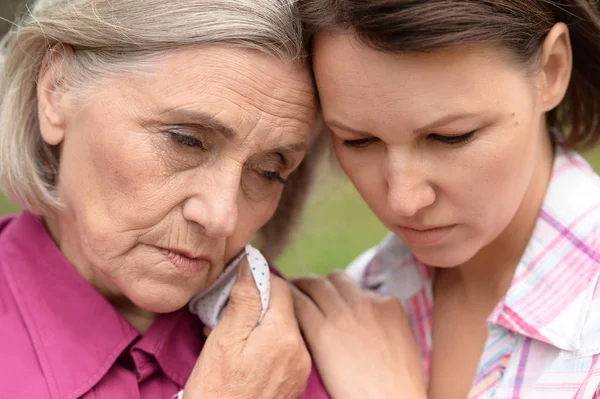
148 142
458 121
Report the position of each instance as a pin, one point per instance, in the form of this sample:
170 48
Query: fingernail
206 330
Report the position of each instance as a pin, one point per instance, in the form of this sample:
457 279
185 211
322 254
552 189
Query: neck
139 318
59 228
487 276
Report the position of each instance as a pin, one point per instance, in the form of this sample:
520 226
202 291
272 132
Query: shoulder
390 268
356 269
20 373
389 246
573 195
562 258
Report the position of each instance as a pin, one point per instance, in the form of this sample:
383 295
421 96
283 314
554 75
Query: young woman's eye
360 143
274 177
462 138
186 140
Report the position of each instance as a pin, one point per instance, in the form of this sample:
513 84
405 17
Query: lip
187 263
424 235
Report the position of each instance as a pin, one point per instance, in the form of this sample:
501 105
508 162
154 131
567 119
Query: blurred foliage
8 9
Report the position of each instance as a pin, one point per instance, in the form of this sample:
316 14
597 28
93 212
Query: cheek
493 184
253 215
114 187
364 169
356 166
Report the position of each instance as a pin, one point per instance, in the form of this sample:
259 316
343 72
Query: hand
360 341
241 359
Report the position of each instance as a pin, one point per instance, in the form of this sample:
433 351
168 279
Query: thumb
244 308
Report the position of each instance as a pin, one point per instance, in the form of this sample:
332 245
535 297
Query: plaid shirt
544 335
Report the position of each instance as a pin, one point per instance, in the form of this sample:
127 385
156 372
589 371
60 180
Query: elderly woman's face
165 177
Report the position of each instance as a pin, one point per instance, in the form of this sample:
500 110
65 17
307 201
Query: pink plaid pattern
544 336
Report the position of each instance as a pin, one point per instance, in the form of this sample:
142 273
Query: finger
322 292
348 289
244 307
281 305
308 314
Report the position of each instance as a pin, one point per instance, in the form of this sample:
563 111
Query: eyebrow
296 147
346 128
444 120
203 119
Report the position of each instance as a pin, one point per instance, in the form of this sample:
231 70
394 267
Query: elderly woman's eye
186 140
274 177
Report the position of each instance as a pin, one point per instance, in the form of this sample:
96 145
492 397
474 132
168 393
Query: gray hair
112 36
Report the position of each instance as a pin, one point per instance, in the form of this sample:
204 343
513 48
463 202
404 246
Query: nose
408 186
214 203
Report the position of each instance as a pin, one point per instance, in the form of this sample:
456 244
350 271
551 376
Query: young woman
457 121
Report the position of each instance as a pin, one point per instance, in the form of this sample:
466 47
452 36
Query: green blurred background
336 227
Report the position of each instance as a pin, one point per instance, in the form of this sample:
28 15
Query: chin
444 257
160 299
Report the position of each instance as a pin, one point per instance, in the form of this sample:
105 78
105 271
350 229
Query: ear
556 64
52 104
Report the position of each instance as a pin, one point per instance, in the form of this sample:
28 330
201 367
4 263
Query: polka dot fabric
210 305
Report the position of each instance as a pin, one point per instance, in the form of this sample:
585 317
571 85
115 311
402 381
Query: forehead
251 92
449 80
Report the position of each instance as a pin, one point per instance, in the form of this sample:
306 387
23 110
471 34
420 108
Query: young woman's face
443 146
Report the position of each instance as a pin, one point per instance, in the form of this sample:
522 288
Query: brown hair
518 25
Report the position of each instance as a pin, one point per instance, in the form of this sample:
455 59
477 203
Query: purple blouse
59 338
